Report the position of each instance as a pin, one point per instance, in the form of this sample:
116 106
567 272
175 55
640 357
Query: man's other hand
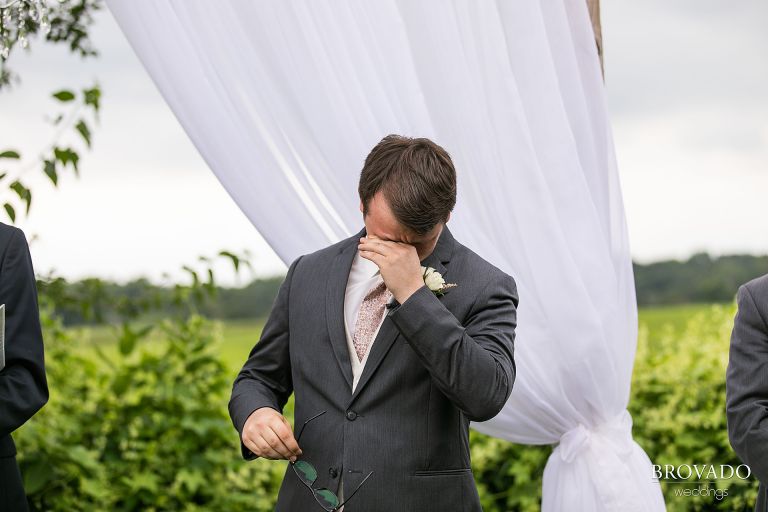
268 434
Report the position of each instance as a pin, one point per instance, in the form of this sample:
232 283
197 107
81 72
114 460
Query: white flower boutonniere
434 281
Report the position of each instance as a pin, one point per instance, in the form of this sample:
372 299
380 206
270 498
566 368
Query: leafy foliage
102 403
69 22
55 159
678 405
147 427
145 431
508 476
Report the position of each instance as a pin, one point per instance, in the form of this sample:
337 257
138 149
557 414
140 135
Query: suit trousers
12 496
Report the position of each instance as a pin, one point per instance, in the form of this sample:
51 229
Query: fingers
373 256
376 246
251 445
265 449
254 442
287 443
268 434
288 439
276 444
266 444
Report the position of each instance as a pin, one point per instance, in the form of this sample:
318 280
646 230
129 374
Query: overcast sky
687 86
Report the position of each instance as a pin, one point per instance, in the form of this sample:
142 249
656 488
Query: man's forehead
398 237
395 238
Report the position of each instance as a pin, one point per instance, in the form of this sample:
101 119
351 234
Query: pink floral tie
369 317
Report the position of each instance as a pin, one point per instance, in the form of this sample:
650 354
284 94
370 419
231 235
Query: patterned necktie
369 317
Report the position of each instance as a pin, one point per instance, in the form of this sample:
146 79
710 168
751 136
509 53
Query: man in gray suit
383 401
747 383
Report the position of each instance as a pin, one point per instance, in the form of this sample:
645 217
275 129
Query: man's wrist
401 297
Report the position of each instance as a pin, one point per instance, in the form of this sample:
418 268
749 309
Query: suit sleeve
265 379
472 364
23 386
747 386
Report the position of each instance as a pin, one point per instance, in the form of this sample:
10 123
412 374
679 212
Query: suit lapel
388 332
386 336
334 304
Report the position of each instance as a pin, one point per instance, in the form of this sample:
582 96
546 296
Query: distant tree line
95 301
701 278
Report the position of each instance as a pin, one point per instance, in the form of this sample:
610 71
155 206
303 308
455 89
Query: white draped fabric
284 99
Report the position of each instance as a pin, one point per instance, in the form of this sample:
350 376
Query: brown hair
417 178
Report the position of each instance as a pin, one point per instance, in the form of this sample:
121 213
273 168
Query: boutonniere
434 281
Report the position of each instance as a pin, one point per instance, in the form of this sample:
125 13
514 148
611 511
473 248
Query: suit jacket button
351 415
333 472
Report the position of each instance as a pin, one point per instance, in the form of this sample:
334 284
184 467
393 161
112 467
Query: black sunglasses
308 474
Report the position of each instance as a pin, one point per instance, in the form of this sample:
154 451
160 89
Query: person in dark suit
23 386
746 383
387 363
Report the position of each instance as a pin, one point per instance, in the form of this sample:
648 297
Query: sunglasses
308 475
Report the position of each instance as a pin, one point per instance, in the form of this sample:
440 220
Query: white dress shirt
363 276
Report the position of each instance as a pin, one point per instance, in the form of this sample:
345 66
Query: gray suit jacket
436 364
747 383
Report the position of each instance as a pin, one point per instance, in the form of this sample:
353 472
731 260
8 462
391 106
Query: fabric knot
616 433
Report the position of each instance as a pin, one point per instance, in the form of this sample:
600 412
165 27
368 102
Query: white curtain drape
284 99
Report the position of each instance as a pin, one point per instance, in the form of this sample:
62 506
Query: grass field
238 337
669 317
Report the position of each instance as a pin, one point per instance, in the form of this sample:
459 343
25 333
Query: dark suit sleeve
265 379
472 364
747 386
23 386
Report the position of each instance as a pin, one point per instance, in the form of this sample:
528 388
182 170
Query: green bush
508 476
678 405
147 430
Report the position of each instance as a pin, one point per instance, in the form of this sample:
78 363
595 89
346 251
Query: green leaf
128 339
10 154
67 156
142 481
144 331
194 274
10 211
234 257
127 344
92 97
64 95
23 192
84 131
50 170
37 475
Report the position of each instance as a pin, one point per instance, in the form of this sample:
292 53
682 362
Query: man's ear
362 207
448 217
